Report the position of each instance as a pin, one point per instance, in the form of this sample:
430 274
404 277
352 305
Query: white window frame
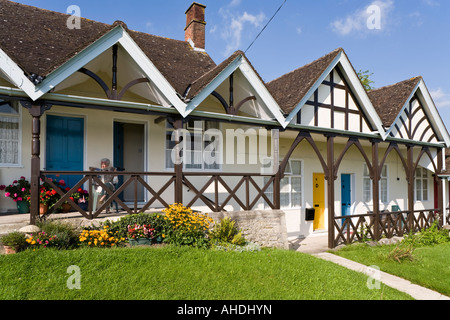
383 200
19 147
422 180
185 147
289 176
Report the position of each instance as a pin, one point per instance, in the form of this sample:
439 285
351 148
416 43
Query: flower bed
177 225
100 238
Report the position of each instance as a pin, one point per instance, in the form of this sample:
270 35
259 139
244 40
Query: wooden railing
243 190
353 228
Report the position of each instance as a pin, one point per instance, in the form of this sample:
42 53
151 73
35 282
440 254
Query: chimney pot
195 25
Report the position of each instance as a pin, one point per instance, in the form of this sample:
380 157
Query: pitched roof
204 80
289 89
388 101
39 41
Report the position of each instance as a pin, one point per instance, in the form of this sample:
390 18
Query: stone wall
266 228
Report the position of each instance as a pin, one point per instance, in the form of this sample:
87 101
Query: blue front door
346 194
65 145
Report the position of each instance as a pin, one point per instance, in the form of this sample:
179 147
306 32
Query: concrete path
317 245
415 291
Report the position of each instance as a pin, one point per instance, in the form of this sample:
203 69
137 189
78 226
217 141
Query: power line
265 26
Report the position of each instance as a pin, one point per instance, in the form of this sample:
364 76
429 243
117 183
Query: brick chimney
195 25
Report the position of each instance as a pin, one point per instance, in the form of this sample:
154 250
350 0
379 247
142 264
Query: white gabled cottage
180 128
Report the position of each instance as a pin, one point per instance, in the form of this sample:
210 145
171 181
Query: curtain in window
9 140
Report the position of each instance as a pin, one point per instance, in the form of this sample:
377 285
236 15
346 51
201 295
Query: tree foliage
364 76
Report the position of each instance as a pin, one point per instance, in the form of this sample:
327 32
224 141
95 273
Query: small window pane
8 108
384 171
284 185
296 167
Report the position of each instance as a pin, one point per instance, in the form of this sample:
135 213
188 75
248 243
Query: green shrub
428 237
226 232
14 239
156 220
187 227
65 234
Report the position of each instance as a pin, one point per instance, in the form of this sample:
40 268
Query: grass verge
429 266
182 273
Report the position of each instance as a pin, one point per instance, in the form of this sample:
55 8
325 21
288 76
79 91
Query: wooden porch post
178 126
330 176
410 174
376 189
277 169
441 207
36 110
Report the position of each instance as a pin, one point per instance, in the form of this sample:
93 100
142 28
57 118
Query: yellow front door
319 200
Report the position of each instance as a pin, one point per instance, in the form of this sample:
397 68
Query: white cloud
235 24
441 98
374 17
235 3
431 3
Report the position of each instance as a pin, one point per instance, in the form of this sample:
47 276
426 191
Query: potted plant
81 197
48 196
19 192
13 242
141 235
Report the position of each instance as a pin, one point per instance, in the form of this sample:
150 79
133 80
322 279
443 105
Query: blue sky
413 37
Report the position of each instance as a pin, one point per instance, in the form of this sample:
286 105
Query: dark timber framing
332 107
330 163
340 229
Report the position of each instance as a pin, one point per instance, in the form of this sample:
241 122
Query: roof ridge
308 64
53 12
219 67
397 83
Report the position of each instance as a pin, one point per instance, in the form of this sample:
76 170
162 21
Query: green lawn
182 273
430 266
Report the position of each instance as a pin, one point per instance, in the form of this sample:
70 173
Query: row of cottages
180 129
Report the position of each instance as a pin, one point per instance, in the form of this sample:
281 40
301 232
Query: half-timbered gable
414 124
408 112
326 93
334 105
233 88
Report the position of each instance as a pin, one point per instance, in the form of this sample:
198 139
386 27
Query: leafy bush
66 234
428 237
42 240
14 239
226 232
156 220
187 227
